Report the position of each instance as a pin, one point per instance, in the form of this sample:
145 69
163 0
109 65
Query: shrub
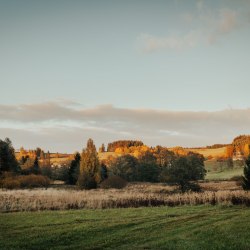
10 183
86 181
27 181
191 186
32 181
114 182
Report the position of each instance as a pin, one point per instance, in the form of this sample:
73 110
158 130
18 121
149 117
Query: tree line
159 164
123 144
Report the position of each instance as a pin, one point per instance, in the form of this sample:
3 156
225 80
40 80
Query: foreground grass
186 227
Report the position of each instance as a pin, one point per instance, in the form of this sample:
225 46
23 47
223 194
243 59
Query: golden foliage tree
229 151
89 167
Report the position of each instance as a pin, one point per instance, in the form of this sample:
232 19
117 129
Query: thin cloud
207 26
55 123
226 23
151 43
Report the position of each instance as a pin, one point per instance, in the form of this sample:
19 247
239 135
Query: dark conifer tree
8 160
104 172
246 176
36 167
74 169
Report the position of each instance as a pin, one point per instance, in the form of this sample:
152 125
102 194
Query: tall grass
131 196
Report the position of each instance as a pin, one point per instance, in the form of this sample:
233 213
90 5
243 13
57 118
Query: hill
210 152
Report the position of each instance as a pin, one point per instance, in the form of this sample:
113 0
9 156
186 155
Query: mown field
186 227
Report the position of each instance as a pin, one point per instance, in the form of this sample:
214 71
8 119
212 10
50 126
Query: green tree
186 169
147 169
8 160
246 176
104 172
36 167
126 167
89 167
74 169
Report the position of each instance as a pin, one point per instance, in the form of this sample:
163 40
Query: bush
27 181
191 186
86 181
114 182
10 183
32 181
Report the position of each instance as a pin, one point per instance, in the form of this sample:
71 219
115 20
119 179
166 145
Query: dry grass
220 186
214 152
134 195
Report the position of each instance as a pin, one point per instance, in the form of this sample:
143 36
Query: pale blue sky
160 55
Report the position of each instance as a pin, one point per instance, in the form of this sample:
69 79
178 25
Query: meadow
220 171
139 216
185 227
134 195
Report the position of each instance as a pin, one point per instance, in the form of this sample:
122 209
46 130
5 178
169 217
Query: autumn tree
246 176
38 151
89 167
246 150
229 151
163 156
123 144
102 149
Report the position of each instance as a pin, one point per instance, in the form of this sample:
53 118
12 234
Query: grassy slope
198 227
220 170
214 152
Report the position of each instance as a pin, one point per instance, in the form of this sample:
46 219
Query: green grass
225 174
220 171
186 227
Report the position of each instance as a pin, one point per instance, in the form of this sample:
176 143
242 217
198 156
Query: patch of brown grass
134 195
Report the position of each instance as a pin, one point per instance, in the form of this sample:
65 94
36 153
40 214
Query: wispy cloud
59 127
151 43
226 23
206 26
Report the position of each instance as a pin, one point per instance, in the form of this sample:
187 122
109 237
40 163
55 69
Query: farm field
186 227
214 152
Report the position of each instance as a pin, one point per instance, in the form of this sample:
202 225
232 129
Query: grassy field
220 171
225 174
214 152
186 227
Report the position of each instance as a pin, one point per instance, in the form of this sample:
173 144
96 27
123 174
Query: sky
165 72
